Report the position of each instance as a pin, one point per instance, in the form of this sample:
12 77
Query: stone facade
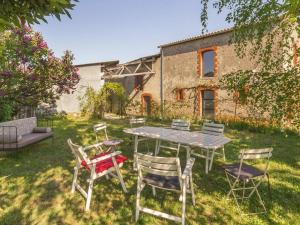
183 84
182 70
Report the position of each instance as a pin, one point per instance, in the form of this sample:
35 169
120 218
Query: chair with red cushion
106 163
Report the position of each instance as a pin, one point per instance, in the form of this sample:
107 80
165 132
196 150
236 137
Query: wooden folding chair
106 163
164 173
137 122
177 124
208 154
104 142
243 177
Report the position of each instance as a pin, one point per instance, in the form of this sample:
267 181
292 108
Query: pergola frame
138 67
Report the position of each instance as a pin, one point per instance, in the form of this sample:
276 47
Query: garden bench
20 133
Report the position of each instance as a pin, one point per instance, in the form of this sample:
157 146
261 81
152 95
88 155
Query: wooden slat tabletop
195 139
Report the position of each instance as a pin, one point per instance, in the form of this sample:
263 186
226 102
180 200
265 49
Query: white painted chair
164 173
177 124
103 164
110 145
210 129
244 178
138 122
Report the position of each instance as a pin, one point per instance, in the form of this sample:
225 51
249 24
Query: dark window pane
147 104
139 82
208 104
208 94
208 61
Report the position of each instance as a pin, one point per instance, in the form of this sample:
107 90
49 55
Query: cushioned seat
26 140
247 171
167 182
105 164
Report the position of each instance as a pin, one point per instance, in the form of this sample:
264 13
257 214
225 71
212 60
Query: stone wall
151 88
90 75
181 71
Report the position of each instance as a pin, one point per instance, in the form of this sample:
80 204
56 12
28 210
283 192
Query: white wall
89 76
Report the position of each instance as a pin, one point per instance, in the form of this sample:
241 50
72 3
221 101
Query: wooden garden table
186 138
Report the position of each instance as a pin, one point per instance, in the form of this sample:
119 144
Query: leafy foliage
268 32
30 74
16 13
95 103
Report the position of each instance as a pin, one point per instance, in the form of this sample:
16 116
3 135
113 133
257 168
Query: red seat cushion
106 163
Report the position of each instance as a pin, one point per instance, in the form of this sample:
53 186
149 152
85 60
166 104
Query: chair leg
192 189
138 196
211 159
224 156
74 179
158 142
258 195
121 178
183 202
178 149
135 150
244 184
232 186
89 195
153 191
188 153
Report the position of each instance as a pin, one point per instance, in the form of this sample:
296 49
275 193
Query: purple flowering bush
30 73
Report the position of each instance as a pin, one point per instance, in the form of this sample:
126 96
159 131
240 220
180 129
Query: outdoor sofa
20 133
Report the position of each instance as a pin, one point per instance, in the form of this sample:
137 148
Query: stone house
183 80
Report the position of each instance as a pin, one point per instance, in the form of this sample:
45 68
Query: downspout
161 84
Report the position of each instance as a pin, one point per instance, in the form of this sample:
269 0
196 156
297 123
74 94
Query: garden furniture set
165 172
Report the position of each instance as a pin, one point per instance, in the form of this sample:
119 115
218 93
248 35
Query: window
139 83
208 104
208 63
179 94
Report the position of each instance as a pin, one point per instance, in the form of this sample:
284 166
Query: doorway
146 104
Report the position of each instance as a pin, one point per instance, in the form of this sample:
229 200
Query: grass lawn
35 184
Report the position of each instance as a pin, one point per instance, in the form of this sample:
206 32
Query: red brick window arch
207 62
180 94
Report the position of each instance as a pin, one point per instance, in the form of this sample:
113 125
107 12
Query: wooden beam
117 76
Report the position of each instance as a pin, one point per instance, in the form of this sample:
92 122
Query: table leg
156 147
135 150
207 161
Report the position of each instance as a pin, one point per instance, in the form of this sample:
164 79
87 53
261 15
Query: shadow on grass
38 190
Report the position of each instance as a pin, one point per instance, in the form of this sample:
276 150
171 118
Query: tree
30 74
16 13
268 32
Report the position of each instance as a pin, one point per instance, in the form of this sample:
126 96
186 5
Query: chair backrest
163 166
100 128
180 124
78 152
213 129
255 154
137 121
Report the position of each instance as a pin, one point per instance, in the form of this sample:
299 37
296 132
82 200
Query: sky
104 30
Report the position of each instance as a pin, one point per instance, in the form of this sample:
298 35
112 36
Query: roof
98 63
211 34
145 57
